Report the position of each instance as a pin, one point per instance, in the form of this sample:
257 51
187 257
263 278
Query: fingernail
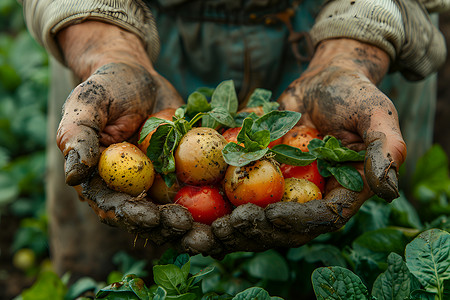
75 171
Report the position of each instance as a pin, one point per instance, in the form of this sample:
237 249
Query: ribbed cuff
45 18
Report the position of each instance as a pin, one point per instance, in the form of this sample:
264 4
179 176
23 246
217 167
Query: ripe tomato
260 182
231 136
165 114
300 136
205 203
309 172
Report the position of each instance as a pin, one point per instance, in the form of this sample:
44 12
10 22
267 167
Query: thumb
386 151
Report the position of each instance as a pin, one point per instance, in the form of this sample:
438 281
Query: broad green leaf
181 260
222 116
196 103
345 154
278 123
269 265
428 258
291 155
199 276
170 277
331 142
328 255
325 154
150 125
138 286
338 283
185 296
315 143
225 96
404 214
270 106
240 117
236 155
348 177
423 295
82 285
47 286
206 91
396 282
431 167
254 293
382 241
323 166
160 294
259 97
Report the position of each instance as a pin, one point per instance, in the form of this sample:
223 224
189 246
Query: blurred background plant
367 246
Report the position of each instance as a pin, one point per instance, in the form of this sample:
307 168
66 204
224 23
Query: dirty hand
337 94
120 89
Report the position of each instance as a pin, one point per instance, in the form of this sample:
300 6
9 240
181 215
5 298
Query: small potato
198 158
160 193
126 169
300 190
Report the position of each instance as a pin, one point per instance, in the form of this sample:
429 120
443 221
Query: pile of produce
211 158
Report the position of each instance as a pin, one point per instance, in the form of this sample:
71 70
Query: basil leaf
325 154
345 154
196 103
150 125
262 138
156 146
348 177
240 117
246 128
270 106
259 97
331 142
225 96
278 123
291 155
170 277
206 91
315 143
323 166
222 116
236 155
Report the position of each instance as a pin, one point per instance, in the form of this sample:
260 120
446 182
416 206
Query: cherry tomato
300 136
231 136
205 203
260 182
309 172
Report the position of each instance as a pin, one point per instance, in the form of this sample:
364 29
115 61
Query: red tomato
309 172
300 136
231 136
260 182
205 203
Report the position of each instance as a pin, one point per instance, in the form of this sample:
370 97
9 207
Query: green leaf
206 91
254 293
269 265
291 155
81 286
47 286
138 286
253 141
170 277
404 214
199 276
380 243
278 123
181 260
9 189
431 167
348 177
423 295
240 117
225 96
338 283
196 103
396 282
428 258
259 97
222 116
328 255
236 155
160 294
150 125
161 148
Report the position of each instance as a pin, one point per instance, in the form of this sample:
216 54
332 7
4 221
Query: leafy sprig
256 134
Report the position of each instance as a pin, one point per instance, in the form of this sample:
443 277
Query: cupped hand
338 95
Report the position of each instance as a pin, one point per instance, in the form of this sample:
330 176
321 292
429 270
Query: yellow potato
159 192
125 168
300 190
198 158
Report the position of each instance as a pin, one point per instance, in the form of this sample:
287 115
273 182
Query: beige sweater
401 27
